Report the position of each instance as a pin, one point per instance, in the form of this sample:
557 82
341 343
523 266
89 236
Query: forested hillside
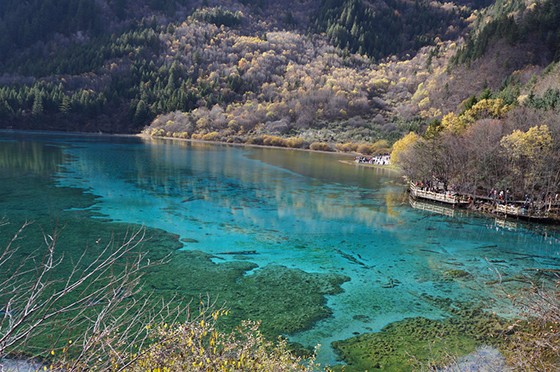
391 27
289 73
259 67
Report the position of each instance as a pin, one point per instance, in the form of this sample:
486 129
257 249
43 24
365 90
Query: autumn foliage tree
528 154
402 146
485 154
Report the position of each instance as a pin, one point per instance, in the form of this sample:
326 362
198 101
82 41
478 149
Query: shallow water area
305 211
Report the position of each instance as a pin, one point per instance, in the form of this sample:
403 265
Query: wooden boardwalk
446 198
548 214
541 212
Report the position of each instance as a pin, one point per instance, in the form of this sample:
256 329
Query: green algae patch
288 300
403 346
416 343
285 300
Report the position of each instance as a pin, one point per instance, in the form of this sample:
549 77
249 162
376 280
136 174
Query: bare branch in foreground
97 303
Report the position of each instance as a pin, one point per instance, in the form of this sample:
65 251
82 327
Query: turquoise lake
270 208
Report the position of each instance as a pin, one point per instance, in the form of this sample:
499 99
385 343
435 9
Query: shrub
255 140
533 344
212 136
198 345
365 149
347 147
320 146
296 143
159 132
380 147
180 135
274 141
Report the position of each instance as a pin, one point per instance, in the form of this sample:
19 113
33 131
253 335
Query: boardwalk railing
447 198
534 213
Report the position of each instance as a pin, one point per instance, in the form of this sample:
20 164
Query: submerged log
238 252
556 271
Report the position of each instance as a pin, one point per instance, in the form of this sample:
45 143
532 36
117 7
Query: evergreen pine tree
37 108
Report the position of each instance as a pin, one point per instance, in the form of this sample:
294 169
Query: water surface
272 209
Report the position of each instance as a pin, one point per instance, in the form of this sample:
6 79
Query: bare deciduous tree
97 303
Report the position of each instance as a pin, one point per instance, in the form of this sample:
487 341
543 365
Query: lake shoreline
392 168
143 135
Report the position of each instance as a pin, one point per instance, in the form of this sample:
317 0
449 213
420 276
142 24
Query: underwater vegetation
419 342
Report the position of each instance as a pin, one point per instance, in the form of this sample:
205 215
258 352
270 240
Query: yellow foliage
295 142
380 83
202 123
403 145
159 132
197 345
430 113
212 136
365 149
320 146
377 148
380 147
424 102
487 108
181 135
523 99
420 93
274 141
483 109
453 123
533 144
347 147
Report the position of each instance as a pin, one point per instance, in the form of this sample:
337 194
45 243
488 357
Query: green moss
403 346
416 343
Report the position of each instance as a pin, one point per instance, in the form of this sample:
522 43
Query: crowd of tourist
504 197
384 159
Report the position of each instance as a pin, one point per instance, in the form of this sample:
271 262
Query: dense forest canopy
396 27
24 23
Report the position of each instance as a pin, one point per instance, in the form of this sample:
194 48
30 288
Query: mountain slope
382 28
250 69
